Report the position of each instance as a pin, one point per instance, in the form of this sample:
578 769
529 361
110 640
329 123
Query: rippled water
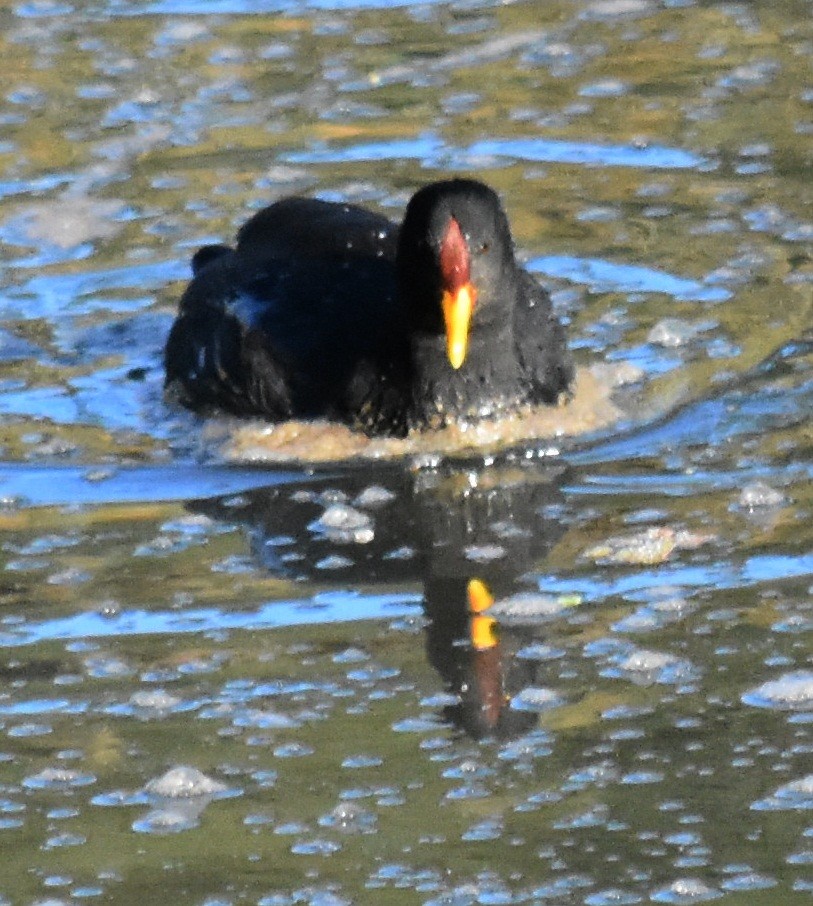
232 683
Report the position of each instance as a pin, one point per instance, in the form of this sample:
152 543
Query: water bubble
153 702
334 561
640 777
594 817
184 782
604 88
640 665
62 840
758 494
266 720
351 656
686 891
107 667
350 818
484 553
797 795
315 847
468 768
58 779
25 730
672 332
599 775
612 897
405 552
529 607
749 880
167 821
362 761
293 750
344 524
373 496
469 791
540 652
791 692
536 699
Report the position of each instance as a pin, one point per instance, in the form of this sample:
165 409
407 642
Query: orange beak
459 294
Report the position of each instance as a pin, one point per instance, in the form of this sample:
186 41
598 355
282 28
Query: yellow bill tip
457 309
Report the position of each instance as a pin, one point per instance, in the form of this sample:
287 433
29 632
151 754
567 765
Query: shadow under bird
329 310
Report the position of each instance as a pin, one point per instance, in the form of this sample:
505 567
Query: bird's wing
215 356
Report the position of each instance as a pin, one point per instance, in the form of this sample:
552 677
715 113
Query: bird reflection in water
468 533
463 643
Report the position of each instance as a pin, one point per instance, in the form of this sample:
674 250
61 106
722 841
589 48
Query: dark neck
488 382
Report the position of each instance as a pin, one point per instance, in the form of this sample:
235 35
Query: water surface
228 683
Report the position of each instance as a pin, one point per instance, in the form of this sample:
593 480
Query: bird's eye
483 248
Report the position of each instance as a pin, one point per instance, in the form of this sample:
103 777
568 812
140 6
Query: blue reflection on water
608 276
336 607
55 485
49 294
568 152
52 403
33 185
638 584
434 152
679 484
746 410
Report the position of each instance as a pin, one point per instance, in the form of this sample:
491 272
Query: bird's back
279 325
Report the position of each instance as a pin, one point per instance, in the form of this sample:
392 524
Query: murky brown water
226 683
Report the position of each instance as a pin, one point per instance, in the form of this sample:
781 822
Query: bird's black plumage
326 309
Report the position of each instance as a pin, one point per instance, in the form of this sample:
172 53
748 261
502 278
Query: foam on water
590 409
